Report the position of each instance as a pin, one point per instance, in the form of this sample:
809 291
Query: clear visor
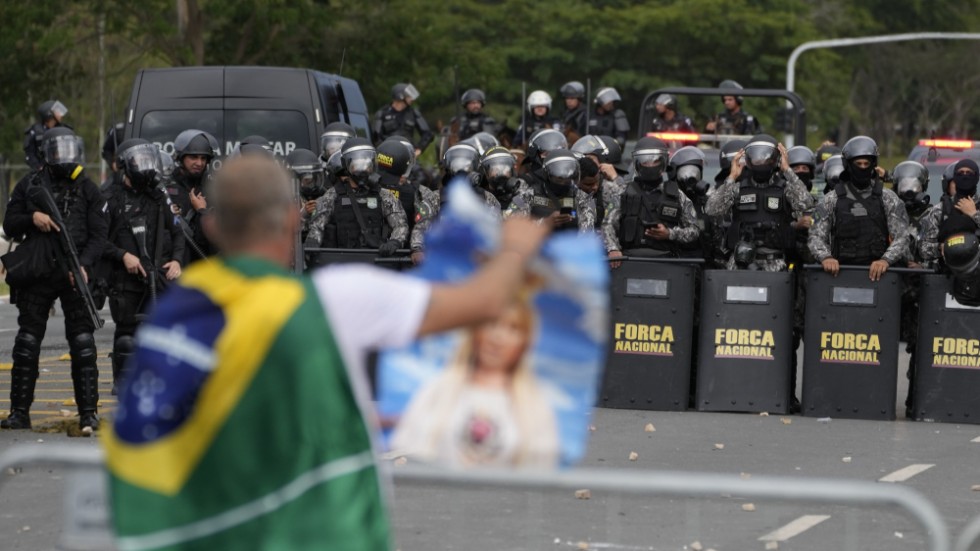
760 154
688 172
331 143
832 173
361 162
309 179
412 92
500 167
563 170
63 150
59 110
650 159
142 158
908 185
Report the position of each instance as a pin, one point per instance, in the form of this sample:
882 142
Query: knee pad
124 345
27 348
82 347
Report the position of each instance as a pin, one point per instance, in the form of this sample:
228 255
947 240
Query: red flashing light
675 136
947 144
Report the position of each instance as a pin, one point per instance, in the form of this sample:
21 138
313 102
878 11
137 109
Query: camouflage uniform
929 235
722 199
898 228
685 233
584 207
426 210
391 208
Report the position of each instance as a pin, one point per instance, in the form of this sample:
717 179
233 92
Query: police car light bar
675 136
948 144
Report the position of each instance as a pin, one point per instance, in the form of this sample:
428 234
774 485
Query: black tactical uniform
406 122
574 120
609 122
48 111
38 286
179 187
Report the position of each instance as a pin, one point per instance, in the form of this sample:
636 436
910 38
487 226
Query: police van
288 106
937 154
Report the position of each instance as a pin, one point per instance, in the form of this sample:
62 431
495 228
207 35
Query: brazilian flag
237 427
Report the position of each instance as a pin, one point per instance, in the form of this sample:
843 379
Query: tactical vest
762 215
543 203
408 195
860 233
398 123
343 230
644 208
471 125
954 221
73 207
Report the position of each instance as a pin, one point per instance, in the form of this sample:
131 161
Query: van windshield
287 130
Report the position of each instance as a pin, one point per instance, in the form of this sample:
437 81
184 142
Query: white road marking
611 546
906 473
794 528
977 439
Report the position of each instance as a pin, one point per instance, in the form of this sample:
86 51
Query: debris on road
719 446
748 507
764 414
583 494
786 420
634 456
649 428
846 459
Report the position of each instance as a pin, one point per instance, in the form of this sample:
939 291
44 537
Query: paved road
436 517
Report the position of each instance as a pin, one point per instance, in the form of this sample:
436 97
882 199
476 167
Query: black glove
388 248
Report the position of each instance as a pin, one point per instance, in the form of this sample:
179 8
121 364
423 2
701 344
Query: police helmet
910 177
728 152
538 98
112 139
51 109
460 159
307 172
333 138
650 157
590 145
543 141
802 155
572 89
606 95
167 164
832 169
686 165
948 174
961 252
728 83
408 145
394 162
62 150
667 100
615 154
498 164
825 152
562 168
140 162
762 151
860 147
195 142
404 92
260 149
358 158
255 139
334 163
481 141
473 94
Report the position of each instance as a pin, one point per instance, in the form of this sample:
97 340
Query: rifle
138 227
42 196
588 103
524 115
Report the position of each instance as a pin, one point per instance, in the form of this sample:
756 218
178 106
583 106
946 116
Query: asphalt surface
940 461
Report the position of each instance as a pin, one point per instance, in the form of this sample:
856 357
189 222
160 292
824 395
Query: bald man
245 420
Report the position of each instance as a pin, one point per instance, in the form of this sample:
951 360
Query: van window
287 130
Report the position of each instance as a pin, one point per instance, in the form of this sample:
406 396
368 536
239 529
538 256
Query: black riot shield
322 257
746 341
947 373
649 362
850 357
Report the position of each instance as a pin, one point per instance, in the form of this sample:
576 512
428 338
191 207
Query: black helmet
460 159
825 152
473 94
650 158
728 83
860 146
686 166
667 100
51 109
334 164
481 141
359 159
573 89
911 182
832 169
195 142
408 145
255 139
498 165
544 141
63 152
140 162
562 168
728 152
333 138
948 174
802 155
394 162
961 252
606 95
615 155
112 139
248 149
404 91
167 164
307 173
762 157
591 145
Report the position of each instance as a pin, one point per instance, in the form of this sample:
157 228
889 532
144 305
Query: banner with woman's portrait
513 393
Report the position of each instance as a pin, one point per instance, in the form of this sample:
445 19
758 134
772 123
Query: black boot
122 349
86 381
22 382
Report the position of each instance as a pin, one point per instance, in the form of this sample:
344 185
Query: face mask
806 178
966 184
650 173
688 175
861 177
762 174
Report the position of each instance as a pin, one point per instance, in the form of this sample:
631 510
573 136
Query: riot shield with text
947 373
850 360
649 361
746 341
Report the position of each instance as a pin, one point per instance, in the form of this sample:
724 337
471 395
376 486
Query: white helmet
538 98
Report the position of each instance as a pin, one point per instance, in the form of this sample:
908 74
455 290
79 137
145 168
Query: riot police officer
193 152
310 180
109 152
668 118
761 193
554 194
144 248
684 168
498 173
461 161
538 117
957 213
573 119
833 167
607 118
333 138
652 217
401 118
860 222
421 204
35 285
49 115
599 180
356 213
474 120
733 120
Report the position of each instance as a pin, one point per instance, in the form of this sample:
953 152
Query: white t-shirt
482 430
370 308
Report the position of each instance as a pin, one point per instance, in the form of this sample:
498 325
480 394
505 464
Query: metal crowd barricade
401 260
632 482
969 536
